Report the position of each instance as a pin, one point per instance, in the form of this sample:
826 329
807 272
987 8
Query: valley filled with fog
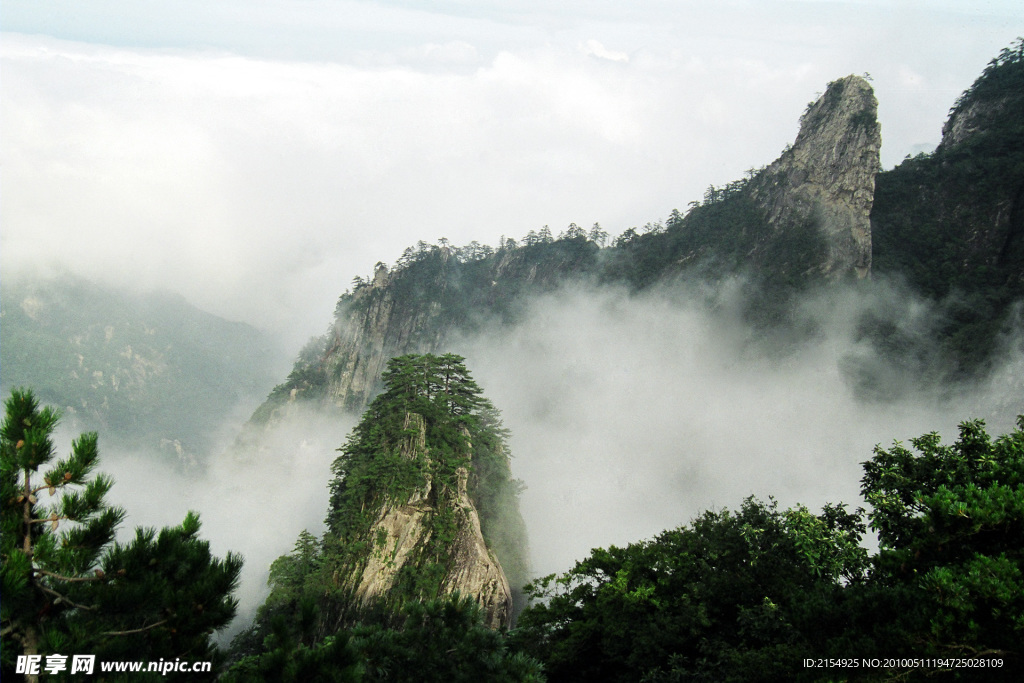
629 414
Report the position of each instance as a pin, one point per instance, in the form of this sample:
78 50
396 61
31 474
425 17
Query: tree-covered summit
423 507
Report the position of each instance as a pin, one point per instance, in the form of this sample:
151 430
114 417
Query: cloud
252 500
259 189
596 49
629 415
632 414
257 169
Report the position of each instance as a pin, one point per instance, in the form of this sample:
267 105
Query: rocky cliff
414 307
821 213
828 176
423 504
803 218
402 531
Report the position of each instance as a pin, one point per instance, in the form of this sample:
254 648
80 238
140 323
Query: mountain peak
992 101
828 175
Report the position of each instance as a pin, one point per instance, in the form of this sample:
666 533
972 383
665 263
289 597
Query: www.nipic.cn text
86 665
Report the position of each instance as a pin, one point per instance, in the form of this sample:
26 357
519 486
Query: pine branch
133 632
52 488
53 519
62 598
69 579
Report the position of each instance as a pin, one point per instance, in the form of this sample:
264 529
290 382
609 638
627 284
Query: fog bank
253 500
628 414
631 415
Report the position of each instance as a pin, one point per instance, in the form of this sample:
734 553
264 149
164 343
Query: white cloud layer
633 414
257 161
256 158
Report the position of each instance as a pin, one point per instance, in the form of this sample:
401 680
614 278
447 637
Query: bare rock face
381 325
474 570
414 309
402 529
972 117
828 176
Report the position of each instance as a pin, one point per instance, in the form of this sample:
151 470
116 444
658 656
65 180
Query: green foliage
429 435
68 587
715 238
383 460
749 595
723 599
951 223
437 641
287 660
951 529
442 641
1003 74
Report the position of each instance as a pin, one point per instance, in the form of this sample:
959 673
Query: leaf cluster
441 640
724 598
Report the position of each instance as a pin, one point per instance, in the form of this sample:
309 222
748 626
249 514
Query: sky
257 156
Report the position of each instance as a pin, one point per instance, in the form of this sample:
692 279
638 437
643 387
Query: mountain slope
802 220
422 507
951 223
145 369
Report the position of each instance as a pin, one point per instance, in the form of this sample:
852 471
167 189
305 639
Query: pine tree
41 569
67 586
430 435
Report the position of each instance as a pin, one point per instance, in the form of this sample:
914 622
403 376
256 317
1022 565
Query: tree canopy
68 586
750 595
431 437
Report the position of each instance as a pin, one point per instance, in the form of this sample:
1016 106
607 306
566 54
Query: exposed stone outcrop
808 220
828 176
375 326
402 528
969 119
413 309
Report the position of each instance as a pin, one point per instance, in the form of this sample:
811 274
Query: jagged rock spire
828 175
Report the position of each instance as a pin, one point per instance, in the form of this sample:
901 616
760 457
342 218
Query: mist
254 496
256 160
633 414
629 414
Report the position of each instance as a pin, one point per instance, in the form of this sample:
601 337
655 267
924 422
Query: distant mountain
146 370
949 225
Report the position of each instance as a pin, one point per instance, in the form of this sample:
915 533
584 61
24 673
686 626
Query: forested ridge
946 227
428 458
952 222
746 594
